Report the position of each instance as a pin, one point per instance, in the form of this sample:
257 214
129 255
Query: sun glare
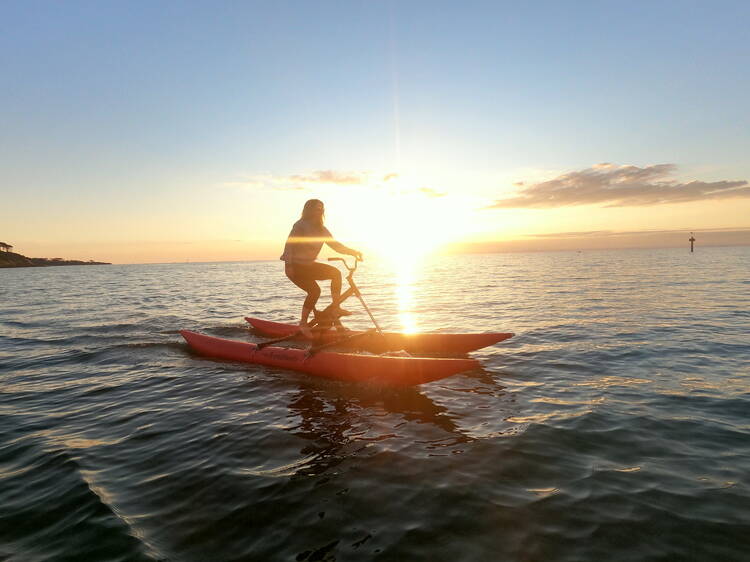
406 225
403 225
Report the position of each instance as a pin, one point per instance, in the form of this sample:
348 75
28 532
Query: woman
302 248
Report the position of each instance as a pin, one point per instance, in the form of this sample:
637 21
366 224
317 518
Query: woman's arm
341 248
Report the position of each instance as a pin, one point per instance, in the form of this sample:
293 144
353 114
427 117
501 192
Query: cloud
312 181
581 234
611 185
266 181
429 192
611 239
615 233
306 181
331 177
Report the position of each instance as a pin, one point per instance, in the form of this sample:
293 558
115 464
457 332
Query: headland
12 259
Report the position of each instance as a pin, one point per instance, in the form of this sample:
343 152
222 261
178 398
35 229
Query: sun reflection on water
406 271
405 294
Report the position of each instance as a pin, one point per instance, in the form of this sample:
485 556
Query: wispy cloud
614 233
266 181
330 177
311 180
581 234
610 239
429 192
611 185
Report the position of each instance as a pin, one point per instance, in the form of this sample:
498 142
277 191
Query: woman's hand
358 255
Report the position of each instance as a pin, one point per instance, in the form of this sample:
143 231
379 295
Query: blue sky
117 107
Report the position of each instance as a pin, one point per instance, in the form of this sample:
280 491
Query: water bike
402 369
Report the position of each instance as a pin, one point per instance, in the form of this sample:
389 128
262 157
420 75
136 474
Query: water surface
614 426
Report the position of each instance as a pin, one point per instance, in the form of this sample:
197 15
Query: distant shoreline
460 253
11 259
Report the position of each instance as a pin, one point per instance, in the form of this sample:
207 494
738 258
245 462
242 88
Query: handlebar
352 269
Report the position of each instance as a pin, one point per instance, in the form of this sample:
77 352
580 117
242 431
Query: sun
408 225
401 225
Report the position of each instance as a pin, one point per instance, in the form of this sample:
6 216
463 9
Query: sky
165 131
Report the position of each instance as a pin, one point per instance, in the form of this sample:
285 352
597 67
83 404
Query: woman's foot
306 332
338 312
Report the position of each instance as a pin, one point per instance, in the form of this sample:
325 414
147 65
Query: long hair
308 211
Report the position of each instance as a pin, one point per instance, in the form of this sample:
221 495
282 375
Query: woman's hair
308 211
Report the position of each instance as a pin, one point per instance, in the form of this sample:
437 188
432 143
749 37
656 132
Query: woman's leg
325 272
303 277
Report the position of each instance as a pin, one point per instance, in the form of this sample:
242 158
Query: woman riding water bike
300 252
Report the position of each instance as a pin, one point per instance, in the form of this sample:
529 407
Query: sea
614 426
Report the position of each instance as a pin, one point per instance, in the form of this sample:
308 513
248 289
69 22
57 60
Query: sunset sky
165 131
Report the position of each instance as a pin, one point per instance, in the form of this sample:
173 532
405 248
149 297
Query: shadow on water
343 421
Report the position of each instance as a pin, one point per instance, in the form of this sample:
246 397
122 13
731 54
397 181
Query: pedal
331 316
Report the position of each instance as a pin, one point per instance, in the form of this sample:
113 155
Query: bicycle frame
320 317
325 320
